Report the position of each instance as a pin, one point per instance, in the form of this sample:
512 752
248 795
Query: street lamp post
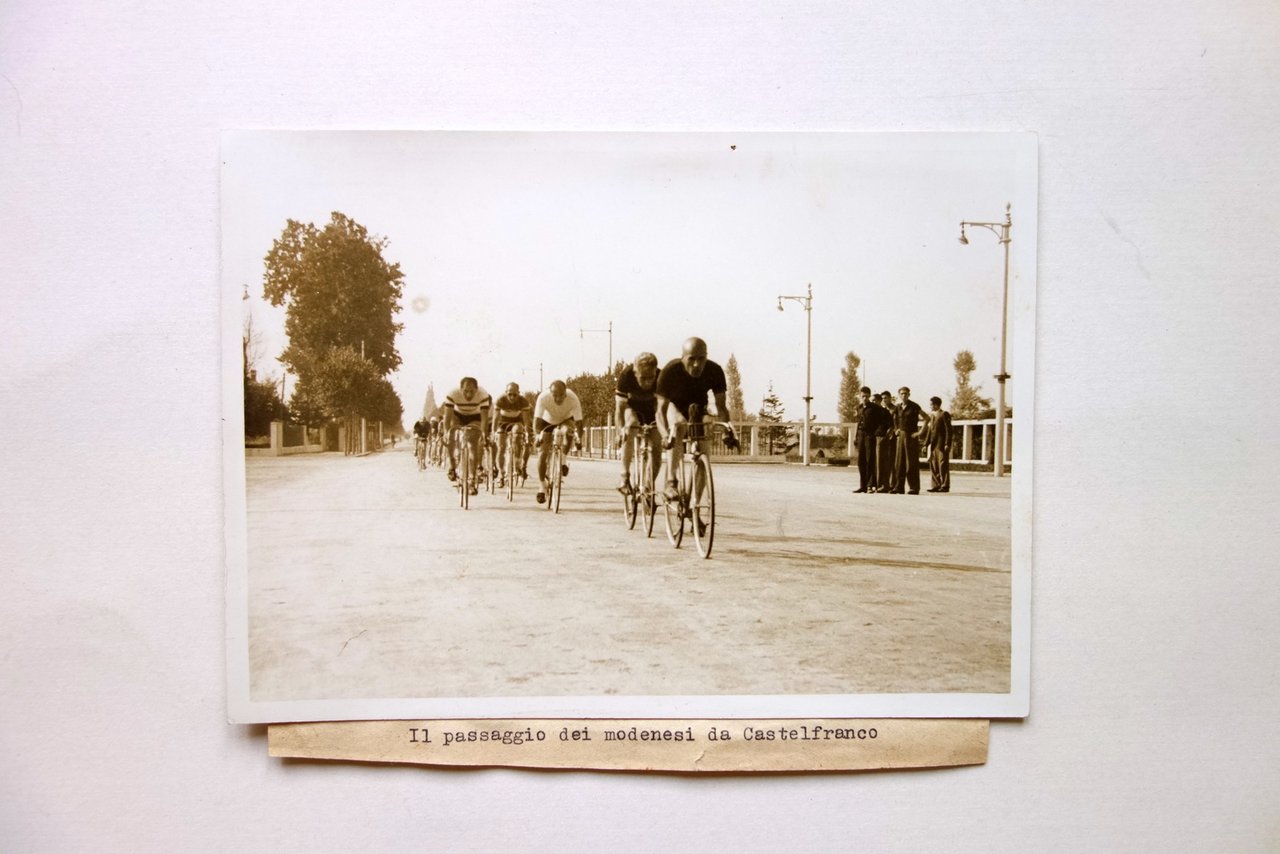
807 302
608 372
1001 231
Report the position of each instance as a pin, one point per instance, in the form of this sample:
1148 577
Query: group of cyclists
648 401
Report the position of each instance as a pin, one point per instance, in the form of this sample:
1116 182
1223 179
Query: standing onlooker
939 446
873 421
886 446
906 426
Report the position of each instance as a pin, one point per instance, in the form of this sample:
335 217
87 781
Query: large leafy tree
340 297
737 406
965 400
338 291
596 392
848 403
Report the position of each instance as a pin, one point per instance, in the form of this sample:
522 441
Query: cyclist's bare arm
619 411
664 429
722 416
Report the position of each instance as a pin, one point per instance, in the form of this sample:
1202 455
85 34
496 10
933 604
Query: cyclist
421 431
434 440
684 382
467 404
636 404
512 414
557 405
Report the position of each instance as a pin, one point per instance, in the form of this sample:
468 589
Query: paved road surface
367 580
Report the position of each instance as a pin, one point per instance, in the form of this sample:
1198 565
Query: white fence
973 442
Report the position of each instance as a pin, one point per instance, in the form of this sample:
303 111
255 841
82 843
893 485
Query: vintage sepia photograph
628 424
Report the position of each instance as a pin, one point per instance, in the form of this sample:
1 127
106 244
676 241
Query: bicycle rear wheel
673 511
704 506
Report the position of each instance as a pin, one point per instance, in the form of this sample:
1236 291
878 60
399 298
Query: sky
520 250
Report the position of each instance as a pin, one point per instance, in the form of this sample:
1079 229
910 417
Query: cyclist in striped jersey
511 414
467 404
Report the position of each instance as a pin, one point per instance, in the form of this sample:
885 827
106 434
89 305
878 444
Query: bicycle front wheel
646 501
553 471
465 476
631 498
673 511
704 506
557 481
509 464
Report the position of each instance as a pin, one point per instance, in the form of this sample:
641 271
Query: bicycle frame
512 446
641 497
461 438
555 466
696 488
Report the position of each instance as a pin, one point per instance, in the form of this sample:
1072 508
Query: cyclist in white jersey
557 405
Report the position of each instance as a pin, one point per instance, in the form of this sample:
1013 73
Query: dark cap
866 390
936 400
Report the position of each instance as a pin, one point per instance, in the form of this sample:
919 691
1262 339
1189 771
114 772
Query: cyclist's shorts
550 427
462 420
508 426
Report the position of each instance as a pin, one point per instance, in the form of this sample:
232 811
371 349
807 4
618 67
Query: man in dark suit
873 423
939 446
906 426
886 446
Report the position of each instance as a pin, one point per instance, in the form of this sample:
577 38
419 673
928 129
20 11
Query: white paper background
1155 637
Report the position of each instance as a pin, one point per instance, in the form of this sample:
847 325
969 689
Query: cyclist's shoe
625 486
453 474
564 469
472 491
671 491
502 481
542 496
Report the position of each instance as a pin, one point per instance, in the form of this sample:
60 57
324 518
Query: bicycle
466 481
513 461
640 498
489 465
695 486
420 452
555 468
